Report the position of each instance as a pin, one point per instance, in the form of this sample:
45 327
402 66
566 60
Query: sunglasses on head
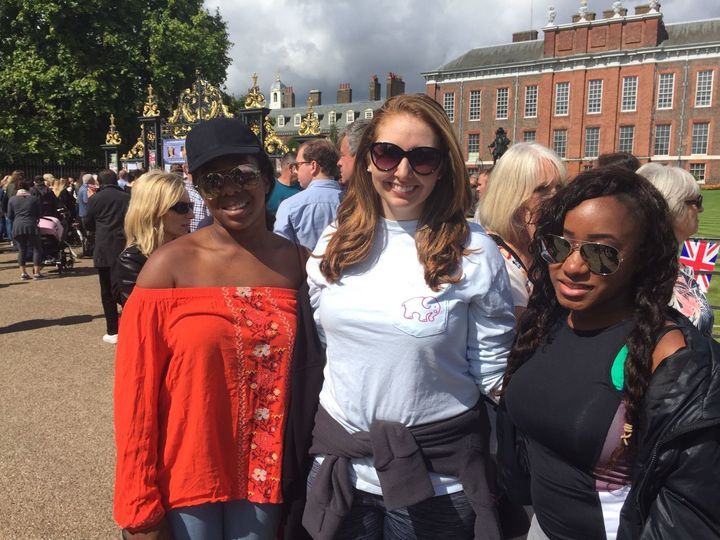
423 160
696 202
242 177
182 207
601 259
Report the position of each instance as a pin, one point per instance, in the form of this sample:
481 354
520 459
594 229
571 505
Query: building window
700 133
629 94
449 105
531 99
529 135
280 121
349 117
560 142
592 142
475 105
473 146
501 103
662 140
297 120
666 85
698 171
703 89
274 97
595 91
626 139
332 118
562 98
368 114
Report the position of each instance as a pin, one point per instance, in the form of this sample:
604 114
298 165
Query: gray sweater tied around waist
402 456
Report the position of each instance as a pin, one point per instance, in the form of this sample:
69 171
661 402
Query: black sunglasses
243 177
182 207
601 259
423 160
696 202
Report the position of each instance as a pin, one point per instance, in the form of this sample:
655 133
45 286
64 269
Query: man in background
303 217
348 144
286 185
106 216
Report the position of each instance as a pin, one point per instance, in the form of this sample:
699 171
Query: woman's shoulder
159 270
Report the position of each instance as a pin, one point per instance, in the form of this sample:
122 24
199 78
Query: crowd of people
365 342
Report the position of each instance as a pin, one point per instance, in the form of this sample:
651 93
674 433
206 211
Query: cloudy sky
322 43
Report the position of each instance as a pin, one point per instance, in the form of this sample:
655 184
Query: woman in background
160 211
24 211
526 175
682 193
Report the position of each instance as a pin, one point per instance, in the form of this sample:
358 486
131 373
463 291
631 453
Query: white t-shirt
398 351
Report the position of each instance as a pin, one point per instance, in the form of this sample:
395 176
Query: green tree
66 65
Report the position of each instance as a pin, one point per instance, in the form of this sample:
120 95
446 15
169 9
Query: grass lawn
710 227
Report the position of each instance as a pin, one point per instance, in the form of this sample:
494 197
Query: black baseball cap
219 137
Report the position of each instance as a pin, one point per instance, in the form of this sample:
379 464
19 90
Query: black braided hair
652 283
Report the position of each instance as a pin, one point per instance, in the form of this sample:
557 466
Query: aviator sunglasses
423 160
601 259
182 207
697 202
243 177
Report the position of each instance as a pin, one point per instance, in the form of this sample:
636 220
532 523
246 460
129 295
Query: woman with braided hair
615 393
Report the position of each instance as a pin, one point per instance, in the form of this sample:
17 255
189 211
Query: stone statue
551 13
583 11
617 8
653 5
499 145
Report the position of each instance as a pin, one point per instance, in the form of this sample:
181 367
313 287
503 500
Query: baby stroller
56 251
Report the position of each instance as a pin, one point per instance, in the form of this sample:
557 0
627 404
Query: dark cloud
322 43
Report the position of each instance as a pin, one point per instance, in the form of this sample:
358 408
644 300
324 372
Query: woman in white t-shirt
415 306
526 175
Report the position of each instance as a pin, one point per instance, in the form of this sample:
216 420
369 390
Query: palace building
616 82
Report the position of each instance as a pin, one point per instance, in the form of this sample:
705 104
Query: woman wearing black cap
208 338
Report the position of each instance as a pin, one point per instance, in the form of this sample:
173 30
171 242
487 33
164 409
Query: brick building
618 82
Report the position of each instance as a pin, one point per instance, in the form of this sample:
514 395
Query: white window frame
666 91
332 118
704 88
700 138
595 95
298 120
623 138
663 139
449 105
562 99
280 121
592 142
560 142
474 105
527 137
531 101
628 101
698 170
476 137
502 101
368 114
349 117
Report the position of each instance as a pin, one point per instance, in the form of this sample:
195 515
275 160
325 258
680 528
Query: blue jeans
233 520
443 516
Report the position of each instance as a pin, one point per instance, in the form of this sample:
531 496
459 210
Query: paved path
56 436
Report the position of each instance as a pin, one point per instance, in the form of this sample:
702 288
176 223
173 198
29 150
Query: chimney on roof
528 35
374 89
394 86
315 97
288 97
344 93
650 7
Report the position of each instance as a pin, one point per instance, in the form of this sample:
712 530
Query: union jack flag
700 255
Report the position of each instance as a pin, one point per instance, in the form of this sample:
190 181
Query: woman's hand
161 531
